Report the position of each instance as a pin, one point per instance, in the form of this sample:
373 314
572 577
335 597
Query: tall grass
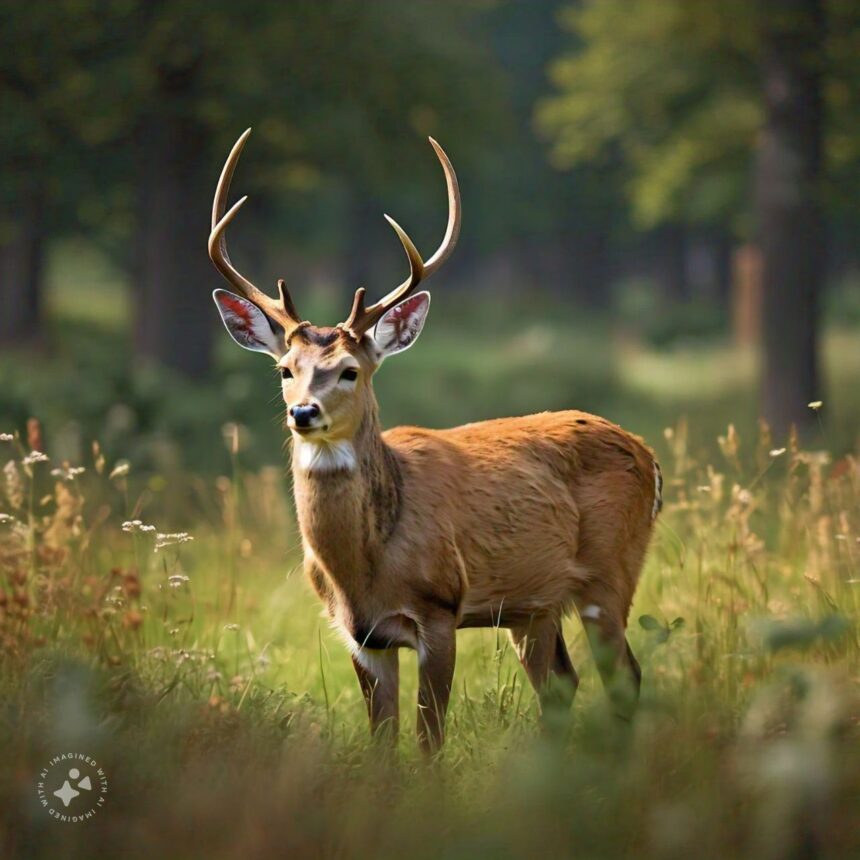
197 669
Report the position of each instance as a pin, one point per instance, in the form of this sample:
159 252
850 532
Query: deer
410 534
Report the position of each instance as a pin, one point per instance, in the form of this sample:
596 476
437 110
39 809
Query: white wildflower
162 540
776 452
705 488
233 627
745 497
68 473
177 579
7 519
6 437
136 526
816 405
35 457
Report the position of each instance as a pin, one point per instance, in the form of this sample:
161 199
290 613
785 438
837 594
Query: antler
283 311
361 318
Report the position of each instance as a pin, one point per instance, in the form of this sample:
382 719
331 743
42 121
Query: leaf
678 623
649 622
802 633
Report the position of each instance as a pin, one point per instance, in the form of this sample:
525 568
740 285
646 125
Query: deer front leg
378 674
437 647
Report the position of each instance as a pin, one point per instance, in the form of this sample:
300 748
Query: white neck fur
320 455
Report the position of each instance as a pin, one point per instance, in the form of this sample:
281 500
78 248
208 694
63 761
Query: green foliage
660 630
670 92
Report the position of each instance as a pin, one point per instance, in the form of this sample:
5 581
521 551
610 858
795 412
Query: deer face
326 373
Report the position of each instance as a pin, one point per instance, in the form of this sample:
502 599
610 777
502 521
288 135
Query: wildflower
177 579
264 661
776 452
121 469
68 473
233 627
745 497
162 540
213 676
131 584
35 457
6 519
136 526
816 405
132 619
6 437
704 489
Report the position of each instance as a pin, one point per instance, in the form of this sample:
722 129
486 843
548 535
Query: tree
789 205
691 98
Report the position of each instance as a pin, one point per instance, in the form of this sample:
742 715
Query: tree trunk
790 221
21 268
173 276
672 262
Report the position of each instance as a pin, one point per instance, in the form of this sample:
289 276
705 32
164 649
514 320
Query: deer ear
399 328
248 325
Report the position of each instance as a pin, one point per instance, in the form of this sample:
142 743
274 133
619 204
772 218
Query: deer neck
347 499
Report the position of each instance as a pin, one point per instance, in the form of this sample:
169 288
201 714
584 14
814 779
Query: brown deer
410 534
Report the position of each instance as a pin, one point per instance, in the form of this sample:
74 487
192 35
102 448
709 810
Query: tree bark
790 220
173 276
21 269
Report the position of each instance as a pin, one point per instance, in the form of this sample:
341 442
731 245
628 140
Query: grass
226 715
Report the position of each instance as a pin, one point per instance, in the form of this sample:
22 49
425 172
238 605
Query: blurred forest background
660 207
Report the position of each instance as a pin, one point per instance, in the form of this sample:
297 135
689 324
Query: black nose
304 415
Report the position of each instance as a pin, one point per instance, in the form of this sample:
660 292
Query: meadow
153 614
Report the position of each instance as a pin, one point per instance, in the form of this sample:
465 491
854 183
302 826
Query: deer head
326 371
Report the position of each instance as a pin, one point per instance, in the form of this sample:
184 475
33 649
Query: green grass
229 721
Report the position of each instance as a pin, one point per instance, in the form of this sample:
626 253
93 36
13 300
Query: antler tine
283 311
455 213
360 318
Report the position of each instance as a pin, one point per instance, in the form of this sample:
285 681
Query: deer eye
350 374
286 373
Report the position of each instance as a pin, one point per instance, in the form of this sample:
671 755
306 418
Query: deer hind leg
378 674
543 654
604 617
437 651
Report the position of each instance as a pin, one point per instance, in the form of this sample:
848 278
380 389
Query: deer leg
543 654
619 670
378 674
437 646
